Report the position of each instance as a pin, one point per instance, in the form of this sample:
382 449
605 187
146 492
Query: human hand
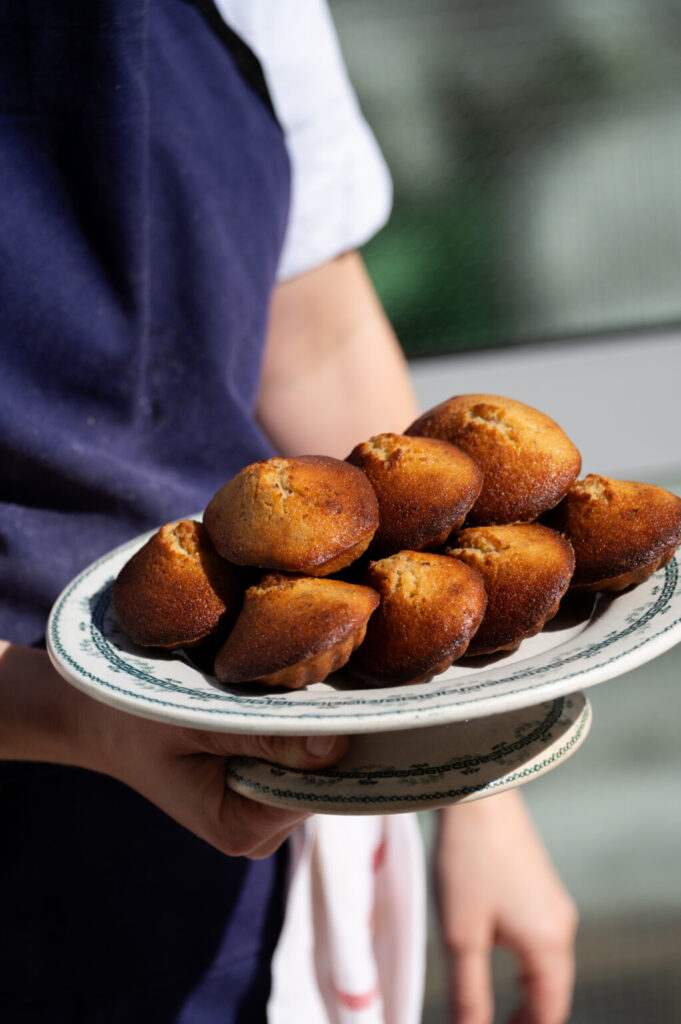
496 886
180 770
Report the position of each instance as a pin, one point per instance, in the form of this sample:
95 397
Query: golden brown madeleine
310 514
176 590
527 462
424 488
621 531
431 606
526 569
295 630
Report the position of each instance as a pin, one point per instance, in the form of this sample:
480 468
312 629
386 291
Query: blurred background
535 250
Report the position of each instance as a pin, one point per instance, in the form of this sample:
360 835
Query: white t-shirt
341 191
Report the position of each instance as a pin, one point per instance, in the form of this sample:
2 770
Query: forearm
334 373
38 709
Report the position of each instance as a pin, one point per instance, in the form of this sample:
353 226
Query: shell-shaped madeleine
621 531
176 590
424 488
311 514
295 630
431 606
527 461
526 569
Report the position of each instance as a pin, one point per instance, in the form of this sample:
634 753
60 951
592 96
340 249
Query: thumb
301 752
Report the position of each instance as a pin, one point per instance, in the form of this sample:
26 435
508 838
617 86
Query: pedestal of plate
415 769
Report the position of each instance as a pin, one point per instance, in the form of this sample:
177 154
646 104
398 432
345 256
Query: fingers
245 828
547 982
237 826
471 996
258 829
546 954
191 788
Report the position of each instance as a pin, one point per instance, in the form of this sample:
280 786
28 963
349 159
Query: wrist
490 816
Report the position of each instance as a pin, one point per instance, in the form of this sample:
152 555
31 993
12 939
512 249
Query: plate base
415 769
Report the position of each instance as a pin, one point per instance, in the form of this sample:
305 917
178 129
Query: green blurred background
535 148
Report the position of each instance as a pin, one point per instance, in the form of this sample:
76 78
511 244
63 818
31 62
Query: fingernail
320 746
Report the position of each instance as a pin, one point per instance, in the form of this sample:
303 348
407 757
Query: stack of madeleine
454 539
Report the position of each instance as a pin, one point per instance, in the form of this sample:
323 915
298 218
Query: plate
592 639
418 769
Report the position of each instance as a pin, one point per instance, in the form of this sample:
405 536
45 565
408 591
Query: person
155 338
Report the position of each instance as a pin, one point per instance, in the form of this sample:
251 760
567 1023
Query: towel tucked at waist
352 950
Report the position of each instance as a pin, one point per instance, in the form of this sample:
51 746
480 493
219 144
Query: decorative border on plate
379 705
327 797
467 765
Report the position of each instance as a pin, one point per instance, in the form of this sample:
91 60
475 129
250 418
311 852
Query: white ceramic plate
415 769
588 642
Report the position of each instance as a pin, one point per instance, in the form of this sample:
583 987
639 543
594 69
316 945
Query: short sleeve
341 192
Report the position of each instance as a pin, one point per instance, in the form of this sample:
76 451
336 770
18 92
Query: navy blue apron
144 189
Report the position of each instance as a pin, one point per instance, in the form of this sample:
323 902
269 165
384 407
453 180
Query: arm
333 376
496 886
333 372
182 771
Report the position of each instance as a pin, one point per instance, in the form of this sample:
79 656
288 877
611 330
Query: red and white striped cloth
352 949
